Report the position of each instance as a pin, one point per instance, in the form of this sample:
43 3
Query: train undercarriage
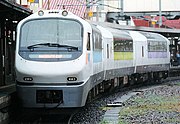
130 80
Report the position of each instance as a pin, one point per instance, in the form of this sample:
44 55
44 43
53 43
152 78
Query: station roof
10 9
148 21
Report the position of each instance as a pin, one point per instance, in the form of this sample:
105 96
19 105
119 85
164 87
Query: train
64 61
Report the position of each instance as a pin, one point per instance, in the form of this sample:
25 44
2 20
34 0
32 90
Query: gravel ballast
158 104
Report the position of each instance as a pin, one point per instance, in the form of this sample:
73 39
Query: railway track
174 72
43 116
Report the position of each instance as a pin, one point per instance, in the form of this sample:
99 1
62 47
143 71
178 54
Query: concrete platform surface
5 100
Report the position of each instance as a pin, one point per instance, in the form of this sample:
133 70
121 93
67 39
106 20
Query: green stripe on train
123 55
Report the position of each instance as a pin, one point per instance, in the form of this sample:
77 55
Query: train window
56 31
157 46
65 43
107 50
123 45
97 44
142 51
88 42
123 48
97 40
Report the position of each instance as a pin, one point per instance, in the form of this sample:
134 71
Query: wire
60 102
97 4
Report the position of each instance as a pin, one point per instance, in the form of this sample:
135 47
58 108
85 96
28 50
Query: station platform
175 67
174 71
5 100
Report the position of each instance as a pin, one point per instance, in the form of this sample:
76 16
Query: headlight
40 13
28 79
72 79
64 13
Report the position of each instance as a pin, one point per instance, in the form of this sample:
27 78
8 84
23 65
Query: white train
63 61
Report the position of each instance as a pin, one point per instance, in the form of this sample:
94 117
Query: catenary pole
160 14
122 7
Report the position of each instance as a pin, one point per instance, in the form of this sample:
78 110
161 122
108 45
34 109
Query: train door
140 53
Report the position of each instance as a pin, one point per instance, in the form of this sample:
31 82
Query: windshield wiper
70 48
38 45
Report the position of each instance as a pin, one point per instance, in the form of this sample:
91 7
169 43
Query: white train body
61 60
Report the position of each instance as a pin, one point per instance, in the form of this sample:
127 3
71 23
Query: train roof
119 33
153 36
54 13
105 33
41 14
164 31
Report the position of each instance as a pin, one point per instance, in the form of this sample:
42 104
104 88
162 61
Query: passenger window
88 42
142 51
107 50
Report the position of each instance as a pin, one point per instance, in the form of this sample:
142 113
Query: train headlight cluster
40 13
64 13
27 78
71 78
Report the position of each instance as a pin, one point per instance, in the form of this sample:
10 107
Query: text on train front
51 40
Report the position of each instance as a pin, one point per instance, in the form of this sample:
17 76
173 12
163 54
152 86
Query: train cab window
88 42
56 41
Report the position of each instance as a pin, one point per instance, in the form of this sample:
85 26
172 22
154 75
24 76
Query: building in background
78 7
10 14
117 11
147 13
34 5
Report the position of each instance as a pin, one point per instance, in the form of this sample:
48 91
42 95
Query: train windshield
51 40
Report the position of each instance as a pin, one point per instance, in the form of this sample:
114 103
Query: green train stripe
123 55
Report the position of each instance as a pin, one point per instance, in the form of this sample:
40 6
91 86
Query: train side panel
108 56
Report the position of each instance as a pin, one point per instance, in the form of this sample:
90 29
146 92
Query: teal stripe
97 56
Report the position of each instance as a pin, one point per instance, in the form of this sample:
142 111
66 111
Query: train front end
52 60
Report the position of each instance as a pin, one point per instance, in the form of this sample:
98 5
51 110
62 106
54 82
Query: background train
62 60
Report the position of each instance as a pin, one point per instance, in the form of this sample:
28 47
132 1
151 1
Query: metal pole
48 5
122 7
97 13
160 14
